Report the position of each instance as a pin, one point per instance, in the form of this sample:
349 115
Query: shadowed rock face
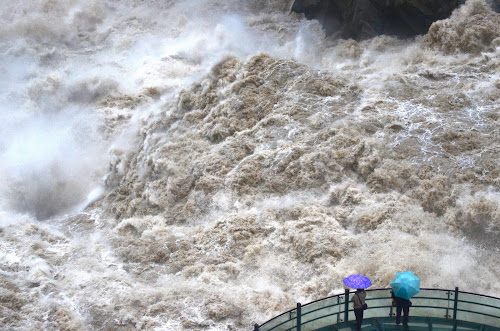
362 19
495 4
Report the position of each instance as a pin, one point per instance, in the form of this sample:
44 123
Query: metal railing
451 305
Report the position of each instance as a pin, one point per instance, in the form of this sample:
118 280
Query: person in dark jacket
358 303
402 305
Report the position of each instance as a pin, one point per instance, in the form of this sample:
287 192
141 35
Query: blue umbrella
357 281
405 285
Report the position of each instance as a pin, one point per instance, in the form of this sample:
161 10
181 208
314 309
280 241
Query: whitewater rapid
204 165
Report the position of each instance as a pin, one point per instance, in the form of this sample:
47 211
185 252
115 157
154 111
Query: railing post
392 308
447 314
346 305
256 327
338 304
455 306
299 315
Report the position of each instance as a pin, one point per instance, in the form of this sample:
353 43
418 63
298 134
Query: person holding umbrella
358 282
402 305
404 286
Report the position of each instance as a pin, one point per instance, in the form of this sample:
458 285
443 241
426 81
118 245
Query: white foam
373 157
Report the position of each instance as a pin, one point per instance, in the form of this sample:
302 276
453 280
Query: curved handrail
336 309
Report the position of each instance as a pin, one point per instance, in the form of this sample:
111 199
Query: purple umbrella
357 281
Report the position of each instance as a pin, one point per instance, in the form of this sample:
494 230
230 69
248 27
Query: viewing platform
432 309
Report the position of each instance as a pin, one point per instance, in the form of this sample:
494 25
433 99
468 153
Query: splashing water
199 165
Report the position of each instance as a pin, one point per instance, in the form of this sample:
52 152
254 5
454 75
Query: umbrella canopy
405 285
357 281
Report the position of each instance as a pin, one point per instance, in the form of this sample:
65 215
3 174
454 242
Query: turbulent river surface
206 164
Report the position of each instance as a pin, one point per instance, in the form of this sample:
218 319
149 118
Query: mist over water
204 165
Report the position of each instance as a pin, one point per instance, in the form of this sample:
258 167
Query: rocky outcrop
495 5
362 19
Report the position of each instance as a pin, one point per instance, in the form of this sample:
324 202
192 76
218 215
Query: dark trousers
406 312
358 312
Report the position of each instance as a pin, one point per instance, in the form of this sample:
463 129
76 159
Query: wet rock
362 19
495 5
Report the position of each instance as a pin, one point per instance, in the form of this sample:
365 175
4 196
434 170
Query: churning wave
204 165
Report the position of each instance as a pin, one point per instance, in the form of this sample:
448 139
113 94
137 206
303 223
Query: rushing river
206 164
